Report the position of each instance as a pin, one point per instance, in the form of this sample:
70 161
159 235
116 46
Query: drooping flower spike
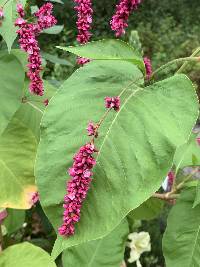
28 33
84 21
119 21
77 188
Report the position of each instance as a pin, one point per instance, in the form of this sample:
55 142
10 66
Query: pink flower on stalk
27 39
112 102
148 67
82 61
3 215
91 129
77 188
123 10
84 21
20 10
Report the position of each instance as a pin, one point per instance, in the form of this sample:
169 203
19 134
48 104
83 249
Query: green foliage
197 196
11 88
119 180
8 29
104 252
24 255
108 50
14 220
181 242
149 210
188 154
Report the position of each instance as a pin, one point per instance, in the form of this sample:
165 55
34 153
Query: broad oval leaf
14 220
17 155
181 242
188 154
107 50
136 145
104 252
11 88
25 255
8 29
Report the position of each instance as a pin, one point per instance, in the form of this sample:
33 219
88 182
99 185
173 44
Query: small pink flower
112 102
46 102
3 215
198 140
148 67
91 129
1 13
82 61
20 22
35 198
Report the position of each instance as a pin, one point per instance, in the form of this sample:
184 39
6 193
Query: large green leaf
197 196
25 255
107 50
17 155
188 154
12 79
136 145
8 29
14 220
149 210
181 243
104 252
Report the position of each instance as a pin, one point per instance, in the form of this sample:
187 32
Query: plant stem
196 52
166 196
35 107
175 61
1 239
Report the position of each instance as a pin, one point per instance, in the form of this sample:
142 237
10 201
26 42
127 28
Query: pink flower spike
3 215
148 67
20 10
123 10
112 102
77 188
35 198
84 14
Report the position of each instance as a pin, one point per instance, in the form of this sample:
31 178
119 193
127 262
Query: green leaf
136 145
56 60
149 210
8 29
25 255
188 154
17 155
181 243
11 88
107 50
14 220
107 251
197 195
54 30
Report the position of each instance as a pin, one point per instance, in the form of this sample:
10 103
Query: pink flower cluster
84 14
27 39
1 13
148 67
35 198
112 102
77 188
123 10
198 140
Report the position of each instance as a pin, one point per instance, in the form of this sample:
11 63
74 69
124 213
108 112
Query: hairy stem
196 52
175 61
